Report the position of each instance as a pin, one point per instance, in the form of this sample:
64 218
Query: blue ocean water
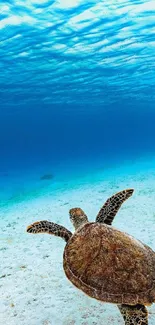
77 81
77 124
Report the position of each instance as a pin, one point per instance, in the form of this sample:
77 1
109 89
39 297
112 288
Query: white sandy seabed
33 286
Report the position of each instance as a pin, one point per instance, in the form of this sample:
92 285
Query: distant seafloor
23 184
33 286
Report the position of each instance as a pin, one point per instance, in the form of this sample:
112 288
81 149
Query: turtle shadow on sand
46 177
105 263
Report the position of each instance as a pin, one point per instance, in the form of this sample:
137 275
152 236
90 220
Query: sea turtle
105 263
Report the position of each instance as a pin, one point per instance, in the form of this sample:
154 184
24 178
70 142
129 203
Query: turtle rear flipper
111 206
49 228
134 315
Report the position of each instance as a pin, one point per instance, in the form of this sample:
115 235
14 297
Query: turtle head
77 217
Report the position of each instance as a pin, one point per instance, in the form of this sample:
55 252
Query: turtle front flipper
134 315
49 228
108 211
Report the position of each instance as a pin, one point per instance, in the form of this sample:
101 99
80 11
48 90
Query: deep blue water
77 84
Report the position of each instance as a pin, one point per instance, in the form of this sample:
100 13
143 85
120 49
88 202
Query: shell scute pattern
107 263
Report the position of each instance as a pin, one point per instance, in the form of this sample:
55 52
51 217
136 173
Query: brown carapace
105 263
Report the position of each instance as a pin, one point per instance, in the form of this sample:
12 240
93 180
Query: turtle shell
110 265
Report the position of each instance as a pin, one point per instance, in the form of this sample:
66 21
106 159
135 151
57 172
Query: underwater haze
77 124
